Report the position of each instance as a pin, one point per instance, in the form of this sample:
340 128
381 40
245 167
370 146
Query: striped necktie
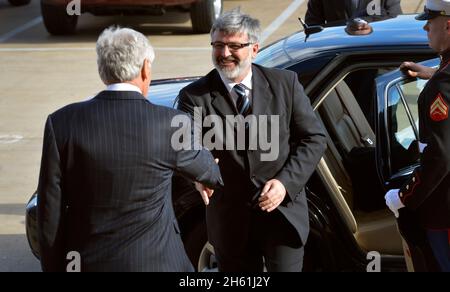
243 102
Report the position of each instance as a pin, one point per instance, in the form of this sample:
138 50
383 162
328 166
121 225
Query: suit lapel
221 100
261 95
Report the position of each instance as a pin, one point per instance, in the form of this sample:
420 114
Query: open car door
398 153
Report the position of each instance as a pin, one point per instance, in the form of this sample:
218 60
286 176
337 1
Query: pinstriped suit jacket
105 185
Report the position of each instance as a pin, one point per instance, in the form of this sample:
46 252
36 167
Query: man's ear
255 50
146 70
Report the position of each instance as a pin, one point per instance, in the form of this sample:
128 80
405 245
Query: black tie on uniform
243 102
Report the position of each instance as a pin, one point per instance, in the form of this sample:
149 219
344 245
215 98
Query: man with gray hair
105 182
261 213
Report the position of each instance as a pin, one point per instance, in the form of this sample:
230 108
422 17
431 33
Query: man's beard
240 66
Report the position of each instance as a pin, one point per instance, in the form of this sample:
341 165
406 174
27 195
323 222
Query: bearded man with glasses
261 215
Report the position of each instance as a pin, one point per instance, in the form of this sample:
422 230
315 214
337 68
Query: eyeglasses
231 46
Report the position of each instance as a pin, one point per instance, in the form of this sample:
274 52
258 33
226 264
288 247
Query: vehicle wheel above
19 2
204 13
207 261
56 19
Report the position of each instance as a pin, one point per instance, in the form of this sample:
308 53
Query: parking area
40 73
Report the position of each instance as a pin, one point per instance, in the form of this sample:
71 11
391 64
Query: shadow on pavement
89 27
12 209
15 255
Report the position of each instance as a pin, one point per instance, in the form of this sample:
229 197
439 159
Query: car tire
56 19
318 253
19 2
207 261
204 13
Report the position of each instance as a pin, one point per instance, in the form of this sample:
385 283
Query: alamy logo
74 8
374 7
74 265
374 266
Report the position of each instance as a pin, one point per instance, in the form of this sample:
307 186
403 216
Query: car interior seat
349 124
350 130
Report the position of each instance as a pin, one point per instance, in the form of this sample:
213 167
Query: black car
370 113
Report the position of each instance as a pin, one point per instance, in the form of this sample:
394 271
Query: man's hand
272 195
393 201
415 70
204 191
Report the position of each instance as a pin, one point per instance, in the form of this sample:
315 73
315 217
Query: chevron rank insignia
439 109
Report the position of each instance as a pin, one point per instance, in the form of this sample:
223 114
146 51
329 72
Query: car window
308 69
403 121
397 121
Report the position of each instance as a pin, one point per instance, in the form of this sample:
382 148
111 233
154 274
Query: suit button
407 187
401 195
414 179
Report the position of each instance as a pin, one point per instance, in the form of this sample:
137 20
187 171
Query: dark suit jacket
302 144
324 11
105 185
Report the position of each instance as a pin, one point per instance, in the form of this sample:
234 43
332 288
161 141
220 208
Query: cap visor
425 16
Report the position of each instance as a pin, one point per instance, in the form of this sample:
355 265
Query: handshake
272 195
204 191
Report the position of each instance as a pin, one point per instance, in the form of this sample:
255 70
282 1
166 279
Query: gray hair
235 21
121 53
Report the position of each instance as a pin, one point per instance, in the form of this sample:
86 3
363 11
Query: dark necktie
244 108
243 102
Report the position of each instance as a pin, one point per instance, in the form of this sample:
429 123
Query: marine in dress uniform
427 193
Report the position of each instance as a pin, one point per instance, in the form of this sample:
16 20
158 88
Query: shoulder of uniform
441 82
440 101
446 68
443 74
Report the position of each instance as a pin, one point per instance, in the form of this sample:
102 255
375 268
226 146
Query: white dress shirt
123 87
247 82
